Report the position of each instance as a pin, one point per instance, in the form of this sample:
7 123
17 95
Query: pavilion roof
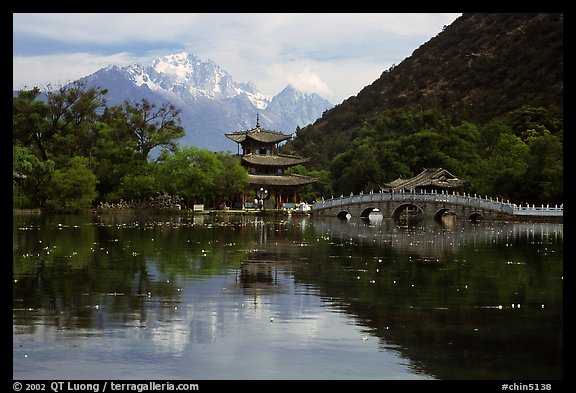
258 134
429 177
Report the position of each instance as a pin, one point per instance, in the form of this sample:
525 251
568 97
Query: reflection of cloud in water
238 337
199 320
202 316
170 336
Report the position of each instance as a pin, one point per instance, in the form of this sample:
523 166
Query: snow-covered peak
179 66
184 76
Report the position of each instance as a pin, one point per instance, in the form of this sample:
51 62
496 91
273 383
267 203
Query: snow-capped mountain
211 102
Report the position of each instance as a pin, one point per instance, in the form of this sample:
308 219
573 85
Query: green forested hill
483 69
478 68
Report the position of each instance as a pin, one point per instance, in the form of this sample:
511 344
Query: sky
332 54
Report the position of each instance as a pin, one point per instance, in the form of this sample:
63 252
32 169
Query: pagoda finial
257 120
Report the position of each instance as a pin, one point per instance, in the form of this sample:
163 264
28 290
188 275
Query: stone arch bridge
430 205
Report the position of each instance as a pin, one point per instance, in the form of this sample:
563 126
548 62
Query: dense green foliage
520 160
71 152
483 99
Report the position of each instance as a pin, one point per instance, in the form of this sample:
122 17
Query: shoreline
255 212
130 211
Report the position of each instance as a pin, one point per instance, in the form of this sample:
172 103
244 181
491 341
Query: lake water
247 297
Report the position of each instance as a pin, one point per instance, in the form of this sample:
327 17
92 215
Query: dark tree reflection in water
138 296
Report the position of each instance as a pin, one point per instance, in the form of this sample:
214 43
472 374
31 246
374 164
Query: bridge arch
407 209
366 212
442 212
343 214
475 216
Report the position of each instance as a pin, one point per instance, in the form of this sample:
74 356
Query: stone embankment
160 201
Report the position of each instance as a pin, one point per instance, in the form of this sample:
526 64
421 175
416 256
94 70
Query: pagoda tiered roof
263 159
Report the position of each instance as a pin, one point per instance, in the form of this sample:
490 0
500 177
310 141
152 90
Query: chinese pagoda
266 166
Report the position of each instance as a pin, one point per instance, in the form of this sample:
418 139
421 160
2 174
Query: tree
230 179
152 126
546 169
140 183
489 135
532 118
322 187
29 121
31 176
72 189
115 154
190 173
74 112
506 170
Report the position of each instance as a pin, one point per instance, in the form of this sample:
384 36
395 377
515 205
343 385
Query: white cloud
307 80
59 69
332 54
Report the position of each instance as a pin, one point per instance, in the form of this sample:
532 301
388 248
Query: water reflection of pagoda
266 166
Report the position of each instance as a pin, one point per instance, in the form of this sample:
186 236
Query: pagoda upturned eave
280 181
273 160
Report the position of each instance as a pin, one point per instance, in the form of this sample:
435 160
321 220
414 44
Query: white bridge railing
456 198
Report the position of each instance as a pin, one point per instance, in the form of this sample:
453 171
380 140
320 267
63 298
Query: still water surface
248 297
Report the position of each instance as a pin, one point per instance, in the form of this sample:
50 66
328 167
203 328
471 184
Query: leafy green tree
72 189
423 149
460 144
29 122
140 184
74 112
189 172
532 118
489 134
153 126
230 179
115 155
321 188
365 171
31 176
391 161
337 172
546 169
401 143
506 169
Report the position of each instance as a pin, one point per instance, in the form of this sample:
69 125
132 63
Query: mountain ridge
478 68
211 102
